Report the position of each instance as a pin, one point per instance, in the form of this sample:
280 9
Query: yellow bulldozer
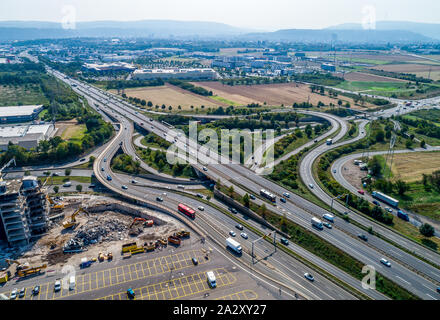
72 222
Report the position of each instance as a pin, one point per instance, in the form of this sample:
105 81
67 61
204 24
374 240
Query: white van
210 277
67 184
72 283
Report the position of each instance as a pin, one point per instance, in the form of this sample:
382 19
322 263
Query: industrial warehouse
14 114
26 136
193 73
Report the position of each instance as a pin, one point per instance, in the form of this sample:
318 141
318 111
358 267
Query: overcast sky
256 14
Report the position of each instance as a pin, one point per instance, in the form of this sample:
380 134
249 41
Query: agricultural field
271 94
360 76
409 167
21 95
172 96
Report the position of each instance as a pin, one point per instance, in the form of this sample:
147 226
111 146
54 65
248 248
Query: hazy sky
257 14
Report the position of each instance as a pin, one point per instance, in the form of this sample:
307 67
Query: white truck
234 245
317 223
328 217
210 277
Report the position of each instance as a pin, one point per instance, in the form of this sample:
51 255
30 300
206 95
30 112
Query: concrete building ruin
23 211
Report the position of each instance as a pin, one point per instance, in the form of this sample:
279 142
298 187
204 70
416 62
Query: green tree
408 143
246 200
375 166
231 191
79 187
68 171
401 187
422 143
56 189
427 230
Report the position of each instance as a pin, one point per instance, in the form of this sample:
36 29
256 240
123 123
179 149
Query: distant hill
430 30
23 30
328 35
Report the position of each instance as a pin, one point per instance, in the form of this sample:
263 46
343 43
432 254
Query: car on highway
385 262
199 195
316 140
232 233
311 186
36 290
67 184
102 169
159 199
92 185
389 209
134 181
244 235
362 192
363 237
334 170
13 294
124 187
233 210
205 169
328 225
376 203
21 293
286 194
239 227
56 174
438 289
283 200
105 159
284 241
57 286
195 261
201 208
309 277
252 196
109 178
130 293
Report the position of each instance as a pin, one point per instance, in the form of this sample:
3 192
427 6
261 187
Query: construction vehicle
31 270
100 257
5 276
174 240
72 223
128 246
126 255
163 242
149 247
109 256
137 250
85 263
183 234
55 206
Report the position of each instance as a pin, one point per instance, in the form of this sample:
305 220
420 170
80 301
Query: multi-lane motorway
399 273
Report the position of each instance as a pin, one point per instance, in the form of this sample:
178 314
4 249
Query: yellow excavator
54 206
72 222
24 269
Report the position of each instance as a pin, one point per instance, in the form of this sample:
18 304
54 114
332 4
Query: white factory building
108 67
19 113
190 73
27 136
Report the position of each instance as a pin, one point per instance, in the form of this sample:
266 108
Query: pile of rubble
101 229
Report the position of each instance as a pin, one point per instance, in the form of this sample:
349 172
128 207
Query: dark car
376 203
130 293
283 200
438 289
252 197
233 210
239 227
284 241
159 199
36 290
195 261
363 237
83 159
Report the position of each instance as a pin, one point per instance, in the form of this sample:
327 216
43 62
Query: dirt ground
272 94
171 96
62 126
407 68
360 76
49 249
353 174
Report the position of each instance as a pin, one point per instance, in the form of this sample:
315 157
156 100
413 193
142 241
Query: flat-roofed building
104 68
188 73
15 114
25 136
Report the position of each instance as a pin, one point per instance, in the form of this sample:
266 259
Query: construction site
100 227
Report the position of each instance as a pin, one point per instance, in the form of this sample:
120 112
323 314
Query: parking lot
96 281
178 288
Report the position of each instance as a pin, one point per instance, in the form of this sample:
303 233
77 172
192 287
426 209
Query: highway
363 252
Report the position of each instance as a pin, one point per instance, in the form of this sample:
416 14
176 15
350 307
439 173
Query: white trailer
234 245
210 277
317 223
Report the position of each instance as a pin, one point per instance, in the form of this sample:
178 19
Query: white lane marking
402 279
431 296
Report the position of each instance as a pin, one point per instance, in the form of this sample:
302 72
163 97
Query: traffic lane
362 251
264 249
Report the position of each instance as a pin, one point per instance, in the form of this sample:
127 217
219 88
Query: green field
74 133
223 100
21 95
